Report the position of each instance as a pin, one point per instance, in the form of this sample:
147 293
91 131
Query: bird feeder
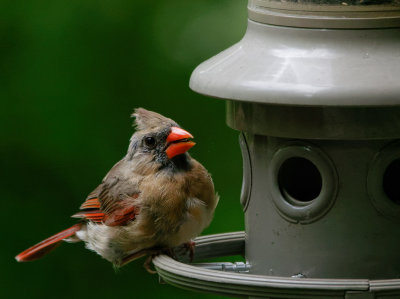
314 89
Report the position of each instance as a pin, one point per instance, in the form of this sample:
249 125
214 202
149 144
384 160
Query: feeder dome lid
313 54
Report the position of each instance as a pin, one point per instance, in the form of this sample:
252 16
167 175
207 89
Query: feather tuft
145 119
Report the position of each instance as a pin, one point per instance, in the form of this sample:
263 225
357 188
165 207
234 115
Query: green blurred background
71 73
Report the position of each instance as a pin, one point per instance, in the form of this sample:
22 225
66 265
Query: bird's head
159 139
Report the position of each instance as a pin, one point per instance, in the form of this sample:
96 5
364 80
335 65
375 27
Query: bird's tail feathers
39 250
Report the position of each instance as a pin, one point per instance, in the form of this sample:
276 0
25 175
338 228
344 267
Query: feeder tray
233 280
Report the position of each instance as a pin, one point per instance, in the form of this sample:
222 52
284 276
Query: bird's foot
190 246
152 253
170 252
147 264
130 257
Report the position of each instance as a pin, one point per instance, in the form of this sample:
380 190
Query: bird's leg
190 246
170 252
133 256
153 253
147 264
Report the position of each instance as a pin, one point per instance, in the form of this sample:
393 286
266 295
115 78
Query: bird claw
171 253
153 253
190 246
147 264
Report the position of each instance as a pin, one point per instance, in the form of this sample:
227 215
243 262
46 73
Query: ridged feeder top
310 53
340 2
327 13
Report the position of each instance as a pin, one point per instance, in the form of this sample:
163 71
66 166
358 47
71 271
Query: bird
156 198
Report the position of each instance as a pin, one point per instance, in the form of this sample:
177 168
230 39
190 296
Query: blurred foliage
71 74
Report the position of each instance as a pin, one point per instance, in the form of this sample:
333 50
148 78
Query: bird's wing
111 203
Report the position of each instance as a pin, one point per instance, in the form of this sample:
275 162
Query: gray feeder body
314 89
315 92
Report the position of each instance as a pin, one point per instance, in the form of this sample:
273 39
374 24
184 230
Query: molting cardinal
156 198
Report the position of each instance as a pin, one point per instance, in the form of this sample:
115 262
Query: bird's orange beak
178 142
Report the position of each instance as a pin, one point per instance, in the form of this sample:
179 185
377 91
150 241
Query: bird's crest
145 119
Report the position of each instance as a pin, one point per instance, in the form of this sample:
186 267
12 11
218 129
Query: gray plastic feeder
314 89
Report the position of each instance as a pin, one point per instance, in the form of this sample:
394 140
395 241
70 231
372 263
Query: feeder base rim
194 278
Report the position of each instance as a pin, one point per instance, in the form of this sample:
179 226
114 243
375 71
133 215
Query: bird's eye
150 141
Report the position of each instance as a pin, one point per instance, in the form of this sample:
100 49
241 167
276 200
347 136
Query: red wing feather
92 203
121 216
121 213
93 215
